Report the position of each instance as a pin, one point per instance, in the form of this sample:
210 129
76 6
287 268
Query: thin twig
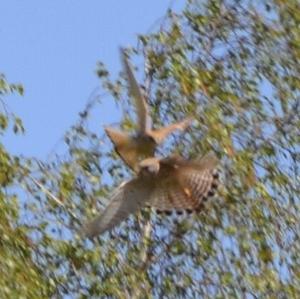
52 196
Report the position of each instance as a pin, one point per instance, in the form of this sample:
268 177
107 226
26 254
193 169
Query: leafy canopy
230 64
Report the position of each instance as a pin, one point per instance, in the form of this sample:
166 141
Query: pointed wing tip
91 229
116 136
209 160
107 129
84 234
123 53
122 50
185 123
110 133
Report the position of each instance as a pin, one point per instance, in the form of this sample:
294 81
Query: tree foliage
20 272
230 64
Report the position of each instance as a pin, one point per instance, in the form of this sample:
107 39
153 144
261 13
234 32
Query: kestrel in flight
141 145
168 184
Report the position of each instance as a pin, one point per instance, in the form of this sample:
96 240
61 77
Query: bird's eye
151 168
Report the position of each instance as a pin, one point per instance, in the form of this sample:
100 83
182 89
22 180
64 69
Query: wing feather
126 200
184 185
125 146
159 135
137 94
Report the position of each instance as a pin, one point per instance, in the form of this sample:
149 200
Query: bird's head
149 166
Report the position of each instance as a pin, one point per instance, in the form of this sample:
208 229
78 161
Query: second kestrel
141 145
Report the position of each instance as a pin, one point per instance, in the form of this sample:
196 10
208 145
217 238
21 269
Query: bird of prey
134 148
167 184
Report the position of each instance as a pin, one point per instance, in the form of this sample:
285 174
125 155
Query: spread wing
135 92
184 185
160 134
127 199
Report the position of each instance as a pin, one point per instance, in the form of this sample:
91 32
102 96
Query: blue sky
52 48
